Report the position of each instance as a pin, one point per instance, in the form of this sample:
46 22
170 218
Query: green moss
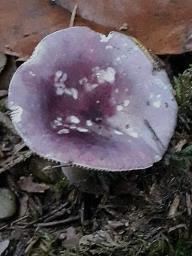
183 93
183 248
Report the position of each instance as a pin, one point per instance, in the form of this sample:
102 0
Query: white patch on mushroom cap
32 73
156 100
63 131
91 87
126 103
71 92
119 107
118 132
16 113
57 122
81 129
73 119
157 103
73 127
89 123
59 118
132 132
58 75
105 38
59 80
60 88
105 75
108 47
88 86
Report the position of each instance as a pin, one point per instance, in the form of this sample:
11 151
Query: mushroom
93 101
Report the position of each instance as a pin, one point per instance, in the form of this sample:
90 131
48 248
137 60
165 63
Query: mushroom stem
86 180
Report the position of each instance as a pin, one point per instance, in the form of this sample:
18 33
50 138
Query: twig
30 245
13 223
174 206
11 161
189 204
177 227
56 223
73 15
53 212
18 220
56 215
146 122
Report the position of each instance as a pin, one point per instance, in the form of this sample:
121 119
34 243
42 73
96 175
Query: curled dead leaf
41 18
162 26
27 184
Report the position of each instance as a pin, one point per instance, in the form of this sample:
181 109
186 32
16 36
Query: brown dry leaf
164 26
71 238
27 184
24 23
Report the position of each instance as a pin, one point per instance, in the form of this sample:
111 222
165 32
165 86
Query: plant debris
27 184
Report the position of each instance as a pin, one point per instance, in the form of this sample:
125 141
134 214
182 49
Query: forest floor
146 212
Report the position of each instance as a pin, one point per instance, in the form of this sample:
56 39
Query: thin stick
56 223
73 15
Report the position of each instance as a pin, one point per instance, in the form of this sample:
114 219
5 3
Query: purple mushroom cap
93 101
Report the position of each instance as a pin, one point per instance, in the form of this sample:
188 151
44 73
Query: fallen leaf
3 246
27 184
71 238
41 18
163 26
153 22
